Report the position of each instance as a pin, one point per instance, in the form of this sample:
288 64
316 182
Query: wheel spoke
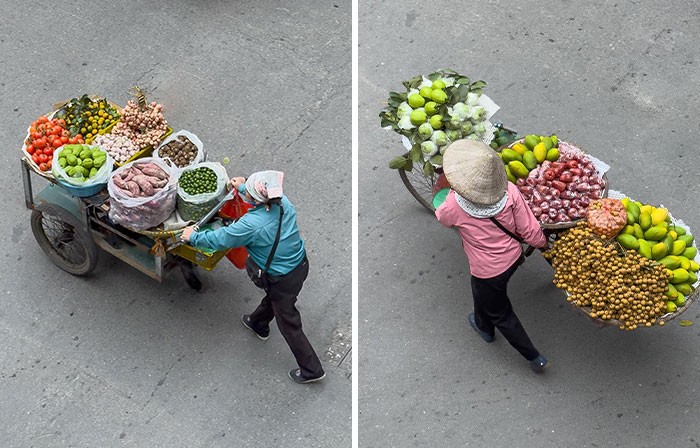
62 238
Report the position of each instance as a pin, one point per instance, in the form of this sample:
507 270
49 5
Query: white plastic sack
201 155
194 207
103 173
140 213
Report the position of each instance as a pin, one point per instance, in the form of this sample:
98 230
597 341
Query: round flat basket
586 310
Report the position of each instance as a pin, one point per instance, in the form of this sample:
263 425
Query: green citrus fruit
438 84
431 107
425 92
418 117
416 101
436 121
439 96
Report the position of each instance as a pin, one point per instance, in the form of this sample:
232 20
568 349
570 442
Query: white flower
472 99
403 110
405 123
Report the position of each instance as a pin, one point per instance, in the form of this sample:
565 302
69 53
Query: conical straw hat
475 171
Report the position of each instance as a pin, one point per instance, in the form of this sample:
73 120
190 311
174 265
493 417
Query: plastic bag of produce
183 148
82 165
200 188
142 193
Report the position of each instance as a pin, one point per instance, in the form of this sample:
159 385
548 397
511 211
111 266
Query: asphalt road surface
620 80
116 359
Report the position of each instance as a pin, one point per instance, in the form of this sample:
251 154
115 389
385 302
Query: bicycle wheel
62 237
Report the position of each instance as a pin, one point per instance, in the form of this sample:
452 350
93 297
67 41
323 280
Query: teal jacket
256 230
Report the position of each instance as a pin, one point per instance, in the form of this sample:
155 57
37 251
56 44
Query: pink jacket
490 250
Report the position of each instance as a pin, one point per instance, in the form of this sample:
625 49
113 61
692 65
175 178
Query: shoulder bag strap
277 240
508 232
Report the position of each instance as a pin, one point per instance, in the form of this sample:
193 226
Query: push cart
72 230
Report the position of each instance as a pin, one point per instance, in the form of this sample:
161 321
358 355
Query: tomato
43 158
36 135
48 151
57 142
35 158
43 167
40 143
30 149
72 140
65 133
49 163
64 139
56 130
42 119
61 122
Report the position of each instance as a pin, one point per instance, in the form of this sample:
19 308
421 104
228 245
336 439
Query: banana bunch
650 232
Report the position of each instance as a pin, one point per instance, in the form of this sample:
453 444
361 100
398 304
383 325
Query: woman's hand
186 233
235 182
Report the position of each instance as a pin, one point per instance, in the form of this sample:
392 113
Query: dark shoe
485 336
539 364
295 375
249 325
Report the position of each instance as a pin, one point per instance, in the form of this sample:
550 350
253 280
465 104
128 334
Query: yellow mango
685 263
658 251
670 262
628 241
680 300
644 248
684 288
519 148
646 208
638 232
692 278
625 201
678 246
656 233
540 152
518 169
693 266
673 234
680 275
644 220
690 252
634 208
671 291
671 307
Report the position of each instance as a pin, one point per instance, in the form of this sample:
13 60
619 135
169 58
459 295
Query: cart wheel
62 237
189 272
420 185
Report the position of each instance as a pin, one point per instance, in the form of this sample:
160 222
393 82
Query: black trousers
492 309
279 303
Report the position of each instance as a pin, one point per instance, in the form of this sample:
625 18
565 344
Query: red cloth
234 209
490 250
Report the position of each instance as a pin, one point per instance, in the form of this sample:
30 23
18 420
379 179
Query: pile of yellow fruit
651 233
523 156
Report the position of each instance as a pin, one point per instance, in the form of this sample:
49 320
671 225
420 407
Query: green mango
687 238
655 233
628 241
508 155
690 252
518 169
644 248
529 160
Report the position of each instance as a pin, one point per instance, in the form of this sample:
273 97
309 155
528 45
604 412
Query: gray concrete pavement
116 359
621 80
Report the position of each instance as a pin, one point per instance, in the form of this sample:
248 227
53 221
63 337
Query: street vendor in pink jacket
492 219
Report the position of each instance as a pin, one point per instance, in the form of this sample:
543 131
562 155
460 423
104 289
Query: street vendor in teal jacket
289 267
